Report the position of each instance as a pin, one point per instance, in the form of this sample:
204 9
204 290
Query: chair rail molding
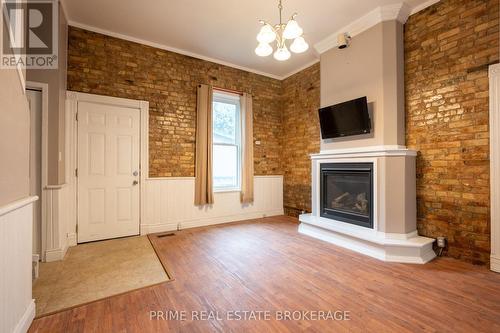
494 77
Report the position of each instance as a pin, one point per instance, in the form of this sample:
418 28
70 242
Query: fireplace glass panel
347 193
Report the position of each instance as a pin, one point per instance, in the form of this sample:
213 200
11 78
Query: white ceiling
223 31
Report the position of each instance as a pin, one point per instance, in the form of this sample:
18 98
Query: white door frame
494 77
44 88
143 106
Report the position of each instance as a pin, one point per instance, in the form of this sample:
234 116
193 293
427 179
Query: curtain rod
228 90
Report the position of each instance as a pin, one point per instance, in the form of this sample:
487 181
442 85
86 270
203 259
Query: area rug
97 270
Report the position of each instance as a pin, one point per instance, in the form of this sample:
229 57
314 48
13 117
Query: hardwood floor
265 265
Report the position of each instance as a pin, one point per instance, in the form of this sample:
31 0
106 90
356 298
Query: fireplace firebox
346 191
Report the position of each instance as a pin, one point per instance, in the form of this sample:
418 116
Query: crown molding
169 48
399 12
300 69
422 6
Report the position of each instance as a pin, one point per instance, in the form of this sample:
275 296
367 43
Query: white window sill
227 190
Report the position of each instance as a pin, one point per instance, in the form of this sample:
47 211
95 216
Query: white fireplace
386 225
369 203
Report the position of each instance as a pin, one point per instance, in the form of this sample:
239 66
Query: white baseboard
155 228
58 254
55 254
25 322
495 263
228 219
71 239
147 229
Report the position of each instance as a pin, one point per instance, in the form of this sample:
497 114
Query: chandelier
280 33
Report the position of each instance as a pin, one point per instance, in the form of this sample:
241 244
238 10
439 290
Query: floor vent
165 235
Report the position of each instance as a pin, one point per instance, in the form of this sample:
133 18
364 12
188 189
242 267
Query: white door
35 103
108 171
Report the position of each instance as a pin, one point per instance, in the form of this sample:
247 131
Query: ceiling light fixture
280 33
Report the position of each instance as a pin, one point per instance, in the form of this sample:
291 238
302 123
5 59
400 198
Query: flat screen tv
345 119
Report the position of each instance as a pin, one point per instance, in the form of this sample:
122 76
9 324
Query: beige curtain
247 146
203 184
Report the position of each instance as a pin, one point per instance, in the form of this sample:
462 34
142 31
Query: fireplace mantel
394 236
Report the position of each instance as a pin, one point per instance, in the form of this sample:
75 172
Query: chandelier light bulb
299 45
292 30
282 34
263 50
282 54
266 34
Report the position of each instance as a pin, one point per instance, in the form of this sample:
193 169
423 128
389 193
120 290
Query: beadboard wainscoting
168 204
59 216
17 307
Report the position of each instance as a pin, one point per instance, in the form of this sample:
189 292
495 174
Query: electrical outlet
441 242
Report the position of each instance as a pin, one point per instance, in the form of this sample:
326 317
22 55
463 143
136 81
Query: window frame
229 98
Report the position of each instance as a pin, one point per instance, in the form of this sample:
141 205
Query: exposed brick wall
104 65
301 137
448 48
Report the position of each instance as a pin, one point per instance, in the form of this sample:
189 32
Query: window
226 142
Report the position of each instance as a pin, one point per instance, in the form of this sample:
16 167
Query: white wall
169 204
17 308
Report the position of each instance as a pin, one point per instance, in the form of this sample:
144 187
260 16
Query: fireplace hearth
347 193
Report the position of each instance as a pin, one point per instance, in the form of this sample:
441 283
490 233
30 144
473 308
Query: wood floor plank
266 265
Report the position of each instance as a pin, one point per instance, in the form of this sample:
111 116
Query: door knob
135 182
135 173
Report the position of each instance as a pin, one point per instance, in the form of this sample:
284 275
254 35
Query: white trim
369 151
192 178
147 229
55 187
228 219
399 12
44 87
169 48
494 78
74 97
71 239
371 235
22 79
55 254
17 205
390 235
423 6
24 324
495 264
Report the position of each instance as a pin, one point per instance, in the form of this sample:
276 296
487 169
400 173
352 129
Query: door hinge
76 172
76 116
77 228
